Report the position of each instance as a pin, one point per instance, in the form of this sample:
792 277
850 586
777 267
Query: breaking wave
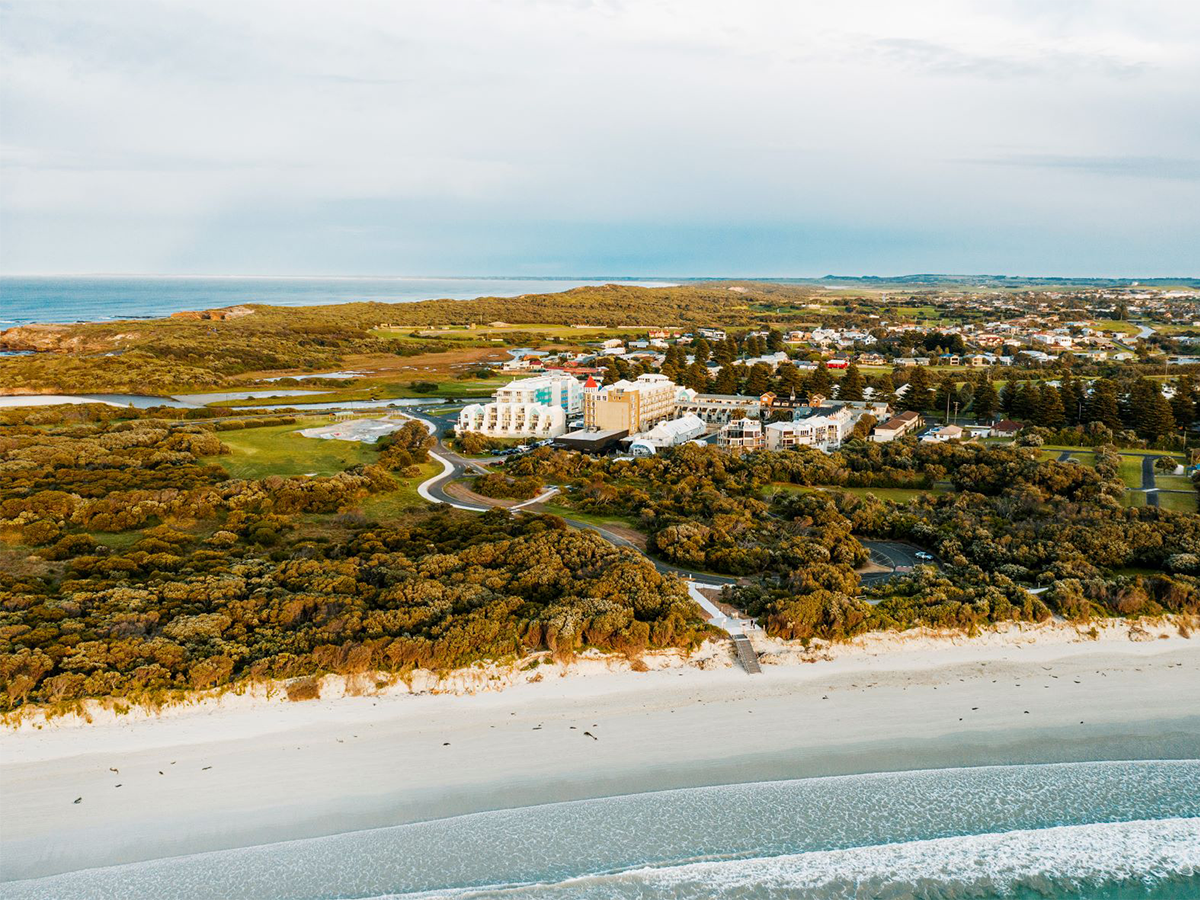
1143 858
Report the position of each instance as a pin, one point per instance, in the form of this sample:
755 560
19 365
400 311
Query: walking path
454 466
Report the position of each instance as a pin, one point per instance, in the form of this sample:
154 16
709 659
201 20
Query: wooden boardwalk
746 655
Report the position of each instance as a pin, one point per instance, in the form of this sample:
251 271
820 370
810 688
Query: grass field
281 450
404 498
590 518
1178 502
1173 482
1131 471
897 495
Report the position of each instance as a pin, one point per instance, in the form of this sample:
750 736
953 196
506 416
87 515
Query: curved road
455 467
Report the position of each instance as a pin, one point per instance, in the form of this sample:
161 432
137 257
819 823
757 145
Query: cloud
145 136
1107 166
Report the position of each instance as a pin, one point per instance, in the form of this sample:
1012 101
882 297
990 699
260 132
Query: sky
600 137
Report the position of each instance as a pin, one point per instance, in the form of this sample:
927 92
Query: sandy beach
248 771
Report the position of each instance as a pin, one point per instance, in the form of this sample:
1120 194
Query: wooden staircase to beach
746 655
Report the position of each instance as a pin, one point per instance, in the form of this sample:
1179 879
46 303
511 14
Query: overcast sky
614 137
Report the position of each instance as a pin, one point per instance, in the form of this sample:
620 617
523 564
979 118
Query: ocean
102 298
1097 830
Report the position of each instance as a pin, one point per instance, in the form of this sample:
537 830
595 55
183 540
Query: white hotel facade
526 408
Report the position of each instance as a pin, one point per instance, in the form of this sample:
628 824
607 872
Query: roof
1008 425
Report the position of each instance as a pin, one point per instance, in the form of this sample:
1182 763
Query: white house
672 432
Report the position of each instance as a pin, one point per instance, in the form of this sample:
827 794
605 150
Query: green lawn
381 507
1131 471
567 512
1178 502
1133 498
281 450
896 495
1173 482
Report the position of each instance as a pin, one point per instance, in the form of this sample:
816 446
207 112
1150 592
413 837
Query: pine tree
702 350
774 340
1049 407
787 377
696 377
759 379
1024 403
726 351
726 382
1008 396
821 382
1152 417
885 388
1183 403
1102 405
1070 395
917 396
987 402
852 384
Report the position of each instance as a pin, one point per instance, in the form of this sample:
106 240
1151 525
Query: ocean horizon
66 299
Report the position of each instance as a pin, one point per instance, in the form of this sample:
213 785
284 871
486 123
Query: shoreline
212 778
913 648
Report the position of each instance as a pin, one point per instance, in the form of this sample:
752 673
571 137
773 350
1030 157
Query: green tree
987 402
852 384
726 382
1102 405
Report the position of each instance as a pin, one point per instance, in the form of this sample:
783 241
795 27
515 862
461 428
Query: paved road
1148 483
900 556
455 467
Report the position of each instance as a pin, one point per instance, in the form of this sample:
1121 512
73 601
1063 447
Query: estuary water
1100 830
102 298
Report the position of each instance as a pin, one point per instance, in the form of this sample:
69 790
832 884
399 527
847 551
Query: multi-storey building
528 407
825 431
629 406
741 434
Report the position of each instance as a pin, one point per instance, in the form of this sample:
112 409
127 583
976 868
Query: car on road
921 554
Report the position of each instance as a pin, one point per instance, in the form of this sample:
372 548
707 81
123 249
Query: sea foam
1061 861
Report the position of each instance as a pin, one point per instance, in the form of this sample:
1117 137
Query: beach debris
592 736
117 785
80 799
160 771
206 768
445 743
111 769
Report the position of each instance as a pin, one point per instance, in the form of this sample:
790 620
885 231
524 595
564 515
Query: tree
885 388
918 396
759 380
702 350
852 384
1183 402
1071 396
987 402
727 381
821 381
1049 408
774 340
1102 406
696 377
